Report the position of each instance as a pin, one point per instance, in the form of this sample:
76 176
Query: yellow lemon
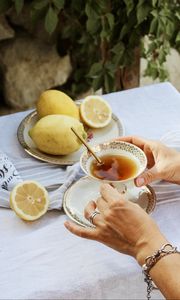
52 102
53 135
29 200
95 112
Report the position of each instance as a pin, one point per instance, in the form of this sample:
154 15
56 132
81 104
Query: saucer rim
150 207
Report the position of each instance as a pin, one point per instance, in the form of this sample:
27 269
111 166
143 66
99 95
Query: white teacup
120 148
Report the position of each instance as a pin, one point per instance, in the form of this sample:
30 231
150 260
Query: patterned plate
113 130
86 189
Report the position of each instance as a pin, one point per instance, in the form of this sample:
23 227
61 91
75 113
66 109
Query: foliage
101 36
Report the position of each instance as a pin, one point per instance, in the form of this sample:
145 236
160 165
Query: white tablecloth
42 260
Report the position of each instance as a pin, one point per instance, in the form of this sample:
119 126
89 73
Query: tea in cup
122 162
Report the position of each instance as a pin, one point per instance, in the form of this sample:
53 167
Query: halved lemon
29 200
95 112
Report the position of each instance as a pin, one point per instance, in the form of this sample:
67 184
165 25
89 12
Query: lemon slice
29 200
95 112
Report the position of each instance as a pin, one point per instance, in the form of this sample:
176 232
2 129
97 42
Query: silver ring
94 213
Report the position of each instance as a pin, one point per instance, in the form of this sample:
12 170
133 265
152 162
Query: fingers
110 194
139 142
86 233
147 177
89 209
102 205
144 144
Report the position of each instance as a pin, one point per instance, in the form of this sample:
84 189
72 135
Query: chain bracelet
148 280
150 261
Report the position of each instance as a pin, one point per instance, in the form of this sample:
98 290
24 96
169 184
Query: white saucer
85 189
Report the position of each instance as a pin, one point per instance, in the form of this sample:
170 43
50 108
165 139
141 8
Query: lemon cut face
29 200
95 112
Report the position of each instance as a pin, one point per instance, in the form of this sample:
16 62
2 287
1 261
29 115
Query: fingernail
140 181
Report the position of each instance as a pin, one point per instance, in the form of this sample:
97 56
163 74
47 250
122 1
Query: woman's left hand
121 225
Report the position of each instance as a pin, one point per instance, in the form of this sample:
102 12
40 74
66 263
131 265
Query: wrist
148 247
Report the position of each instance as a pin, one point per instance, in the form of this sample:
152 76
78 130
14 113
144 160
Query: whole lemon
53 102
53 135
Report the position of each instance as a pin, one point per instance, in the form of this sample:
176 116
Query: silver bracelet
150 261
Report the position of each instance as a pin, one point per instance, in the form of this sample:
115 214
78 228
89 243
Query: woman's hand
121 225
163 162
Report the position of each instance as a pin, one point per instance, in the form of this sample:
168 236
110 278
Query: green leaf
163 19
124 31
90 12
110 68
40 4
118 51
154 71
160 28
108 83
141 2
129 5
151 47
104 34
170 28
153 26
163 74
5 5
154 13
102 4
142 11
154 2
51 20
162 57
66 32
177 14
151 70
97 83
59 4
19 5
178 38
96 69
110 19
92 26
118 48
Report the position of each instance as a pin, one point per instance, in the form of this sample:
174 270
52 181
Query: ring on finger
92 216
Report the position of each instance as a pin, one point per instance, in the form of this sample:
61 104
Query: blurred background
84 47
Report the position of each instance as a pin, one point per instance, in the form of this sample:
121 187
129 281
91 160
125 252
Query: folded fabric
166 192
63 178
57 179
9 176
172 139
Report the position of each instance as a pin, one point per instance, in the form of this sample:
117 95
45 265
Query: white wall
173 67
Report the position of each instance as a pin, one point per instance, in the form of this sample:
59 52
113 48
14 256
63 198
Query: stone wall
28 64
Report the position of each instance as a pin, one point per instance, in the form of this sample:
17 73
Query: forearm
166 272
166 275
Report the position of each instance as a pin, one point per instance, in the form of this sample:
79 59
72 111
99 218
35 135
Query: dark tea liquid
114 167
